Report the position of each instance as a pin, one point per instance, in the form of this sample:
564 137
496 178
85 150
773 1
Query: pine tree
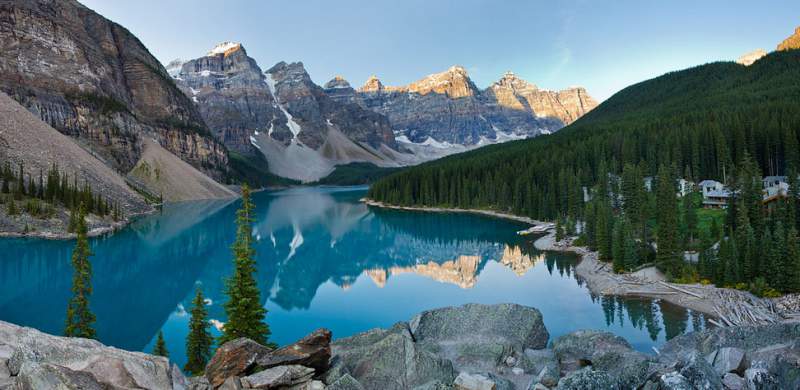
243 308
772 259
12 208
160 349
791 262
618 245
199 341
603 228
79 318
667 256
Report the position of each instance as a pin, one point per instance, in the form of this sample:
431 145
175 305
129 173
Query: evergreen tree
791 262
603 228
12 208
199 341
243 308
160 349
668 254
772 259
79 317
618 245
690 214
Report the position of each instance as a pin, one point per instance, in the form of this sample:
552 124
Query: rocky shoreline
470 347
729 306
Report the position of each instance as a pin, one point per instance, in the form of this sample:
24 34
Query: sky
601 45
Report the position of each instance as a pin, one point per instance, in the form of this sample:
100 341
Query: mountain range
304 131
227 118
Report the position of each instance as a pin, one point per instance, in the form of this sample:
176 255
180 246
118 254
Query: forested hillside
720 121
700 122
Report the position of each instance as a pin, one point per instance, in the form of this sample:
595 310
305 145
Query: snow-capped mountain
282 114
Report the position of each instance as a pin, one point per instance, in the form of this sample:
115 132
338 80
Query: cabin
773 181
648 183
715 195
775 188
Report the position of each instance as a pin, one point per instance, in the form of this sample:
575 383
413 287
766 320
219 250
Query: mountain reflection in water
323 259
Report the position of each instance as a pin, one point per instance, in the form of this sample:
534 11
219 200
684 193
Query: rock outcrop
791 43
228 88
91 78
748 59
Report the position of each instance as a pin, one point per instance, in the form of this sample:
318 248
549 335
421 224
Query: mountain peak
748 59
225 48
512 81
793 42
337 82
373 84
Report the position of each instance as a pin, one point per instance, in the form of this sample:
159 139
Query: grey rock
727 359
674 381
435 385
788 373
478 337
602 351
543 364
232 383
9 384
760 379
586 379
42 358
197 383
346 382
389 359
279 376
35 376
696 369
733 381
4 371
466 381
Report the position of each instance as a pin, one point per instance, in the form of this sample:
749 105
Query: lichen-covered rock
696 369
761 379
234 358
312 351
276 377
586 379
542 363
479 336
345 382
389 359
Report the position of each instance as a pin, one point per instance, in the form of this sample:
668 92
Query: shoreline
488 213
728 307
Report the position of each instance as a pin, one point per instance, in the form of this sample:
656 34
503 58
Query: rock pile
472 347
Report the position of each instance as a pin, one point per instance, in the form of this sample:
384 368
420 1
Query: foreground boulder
234 359
437 346
312 351
30 359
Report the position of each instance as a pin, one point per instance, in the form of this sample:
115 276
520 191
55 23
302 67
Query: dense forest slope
700 121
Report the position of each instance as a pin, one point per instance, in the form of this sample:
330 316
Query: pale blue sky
602 45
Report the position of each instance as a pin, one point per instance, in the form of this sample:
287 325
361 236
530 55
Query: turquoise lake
324 260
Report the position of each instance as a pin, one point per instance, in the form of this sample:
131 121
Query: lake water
324 260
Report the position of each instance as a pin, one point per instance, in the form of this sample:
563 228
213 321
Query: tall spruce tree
160 349
199 340
243 308
80 319
668 253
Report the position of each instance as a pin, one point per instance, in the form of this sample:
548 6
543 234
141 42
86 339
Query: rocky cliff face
447 111
793 42
301 130
228 88
91 78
